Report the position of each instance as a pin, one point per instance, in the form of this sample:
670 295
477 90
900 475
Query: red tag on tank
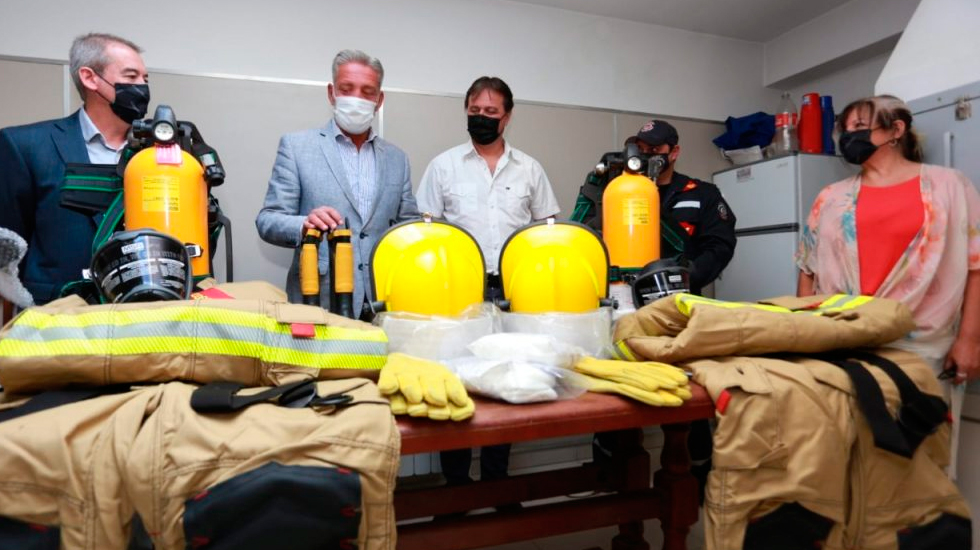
302 330
721 404
169 154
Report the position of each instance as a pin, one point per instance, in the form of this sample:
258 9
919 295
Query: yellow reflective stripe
851 302
832 301
838 302
199 314
686 302
188 346
136 316
622 352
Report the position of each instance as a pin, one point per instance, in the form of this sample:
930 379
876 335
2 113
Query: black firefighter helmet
661 278
142 265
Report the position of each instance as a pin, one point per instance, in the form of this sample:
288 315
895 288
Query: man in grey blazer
340 173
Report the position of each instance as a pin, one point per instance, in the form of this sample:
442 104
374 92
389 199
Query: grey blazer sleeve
279 221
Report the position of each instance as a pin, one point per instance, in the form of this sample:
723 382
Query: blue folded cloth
746 131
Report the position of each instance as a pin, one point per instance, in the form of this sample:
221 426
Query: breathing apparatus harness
98 190
588 205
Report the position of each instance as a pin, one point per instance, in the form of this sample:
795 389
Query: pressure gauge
163 132
634 164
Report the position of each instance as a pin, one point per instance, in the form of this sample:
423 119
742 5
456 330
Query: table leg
632 462
680 488
630 537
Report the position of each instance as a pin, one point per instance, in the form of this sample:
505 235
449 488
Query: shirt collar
508 151
338 135
91 132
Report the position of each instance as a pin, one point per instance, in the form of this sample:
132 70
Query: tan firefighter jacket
253 341
795 462
267 476
264 477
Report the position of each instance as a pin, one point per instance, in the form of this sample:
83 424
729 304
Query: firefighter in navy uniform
695 222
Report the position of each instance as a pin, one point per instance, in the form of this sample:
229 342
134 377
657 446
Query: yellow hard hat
554 266
427 267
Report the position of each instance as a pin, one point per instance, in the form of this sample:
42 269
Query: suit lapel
68 140
380 177
336 166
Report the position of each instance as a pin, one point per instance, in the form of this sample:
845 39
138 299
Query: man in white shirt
485 185
490 189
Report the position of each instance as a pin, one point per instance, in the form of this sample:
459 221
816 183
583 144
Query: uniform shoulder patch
722 211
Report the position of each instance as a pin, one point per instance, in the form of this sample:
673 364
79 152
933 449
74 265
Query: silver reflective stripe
203 331
688 204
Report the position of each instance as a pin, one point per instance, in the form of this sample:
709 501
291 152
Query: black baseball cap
656 132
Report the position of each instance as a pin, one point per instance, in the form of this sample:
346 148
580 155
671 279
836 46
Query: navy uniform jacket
32 172
706 224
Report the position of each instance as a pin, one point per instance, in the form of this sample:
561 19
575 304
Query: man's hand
324 218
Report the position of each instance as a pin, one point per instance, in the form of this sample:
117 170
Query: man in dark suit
340 173
111 77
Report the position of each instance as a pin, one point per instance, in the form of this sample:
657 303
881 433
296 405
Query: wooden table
628 497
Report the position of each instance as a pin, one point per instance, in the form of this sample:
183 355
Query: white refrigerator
771 200
949 125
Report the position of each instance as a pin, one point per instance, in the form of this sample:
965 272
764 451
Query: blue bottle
827 116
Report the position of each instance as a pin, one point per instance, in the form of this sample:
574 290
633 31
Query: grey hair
357 56
89 50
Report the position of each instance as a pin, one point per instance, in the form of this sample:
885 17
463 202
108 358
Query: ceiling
752 20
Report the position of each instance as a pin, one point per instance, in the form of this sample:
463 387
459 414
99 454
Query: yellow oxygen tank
631 221
341 273
309 268
164 189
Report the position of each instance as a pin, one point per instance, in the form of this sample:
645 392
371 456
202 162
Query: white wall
848 34
545 54
844 85
937 52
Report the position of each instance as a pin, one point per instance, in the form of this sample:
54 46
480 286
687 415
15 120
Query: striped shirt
359 167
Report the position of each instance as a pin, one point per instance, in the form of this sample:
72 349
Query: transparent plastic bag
438 338
516 381
532 348
590 331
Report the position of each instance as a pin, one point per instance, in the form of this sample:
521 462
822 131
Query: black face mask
131 102
856 147
483 129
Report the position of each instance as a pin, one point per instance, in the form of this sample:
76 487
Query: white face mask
353 114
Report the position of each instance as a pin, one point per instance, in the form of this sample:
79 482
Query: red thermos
811 125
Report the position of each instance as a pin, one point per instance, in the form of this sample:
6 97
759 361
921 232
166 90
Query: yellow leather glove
650 382
426 388
450 412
